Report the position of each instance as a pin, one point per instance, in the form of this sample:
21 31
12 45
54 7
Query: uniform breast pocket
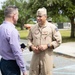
46 35
36 34
36 39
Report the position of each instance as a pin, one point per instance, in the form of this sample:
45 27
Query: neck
9 20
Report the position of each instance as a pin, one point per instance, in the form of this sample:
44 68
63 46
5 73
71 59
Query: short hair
11 9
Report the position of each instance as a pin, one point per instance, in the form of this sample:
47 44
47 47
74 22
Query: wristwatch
48 45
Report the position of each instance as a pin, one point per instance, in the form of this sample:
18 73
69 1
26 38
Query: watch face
48 45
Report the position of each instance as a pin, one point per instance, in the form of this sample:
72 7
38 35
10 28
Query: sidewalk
67 49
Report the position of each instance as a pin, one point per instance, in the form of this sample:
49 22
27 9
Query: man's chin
15 22
39 23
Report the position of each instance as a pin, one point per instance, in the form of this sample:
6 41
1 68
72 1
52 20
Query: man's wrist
50 46
30 48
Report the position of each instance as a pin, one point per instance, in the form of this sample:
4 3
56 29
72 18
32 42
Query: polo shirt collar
7 22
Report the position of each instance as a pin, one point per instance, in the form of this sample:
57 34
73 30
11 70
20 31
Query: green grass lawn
65 35
23 34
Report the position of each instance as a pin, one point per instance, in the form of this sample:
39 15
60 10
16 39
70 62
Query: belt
8 60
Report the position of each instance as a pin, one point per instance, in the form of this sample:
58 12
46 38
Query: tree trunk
22 25
72 27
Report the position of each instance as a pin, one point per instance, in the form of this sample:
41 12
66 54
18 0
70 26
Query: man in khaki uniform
43 38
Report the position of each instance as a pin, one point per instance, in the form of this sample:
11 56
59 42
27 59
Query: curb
65 55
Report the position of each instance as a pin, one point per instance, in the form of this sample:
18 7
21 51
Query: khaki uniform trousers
41 63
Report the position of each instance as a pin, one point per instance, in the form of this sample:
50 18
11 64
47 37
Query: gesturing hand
35 49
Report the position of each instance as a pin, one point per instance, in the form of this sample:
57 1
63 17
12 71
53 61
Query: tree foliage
55 8
23 11
1 16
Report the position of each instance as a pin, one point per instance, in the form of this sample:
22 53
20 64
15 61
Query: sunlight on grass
66 36
23 34
65 33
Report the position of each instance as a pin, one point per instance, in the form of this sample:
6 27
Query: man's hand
35 49
25 73
27 26
42 47
22 49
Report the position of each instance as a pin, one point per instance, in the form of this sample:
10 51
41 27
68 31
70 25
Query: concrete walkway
67 49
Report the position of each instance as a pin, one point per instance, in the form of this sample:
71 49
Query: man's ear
46 16
14 16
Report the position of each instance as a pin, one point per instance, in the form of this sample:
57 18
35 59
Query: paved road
63 65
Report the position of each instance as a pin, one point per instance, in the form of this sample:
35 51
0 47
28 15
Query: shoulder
53 26
11 30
